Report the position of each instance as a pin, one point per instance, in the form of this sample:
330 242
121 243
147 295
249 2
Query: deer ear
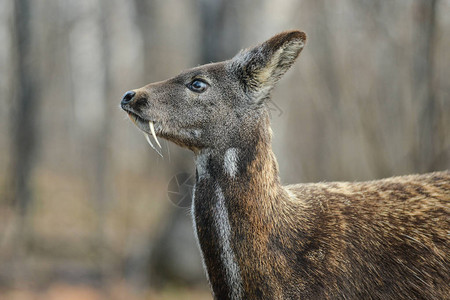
260 68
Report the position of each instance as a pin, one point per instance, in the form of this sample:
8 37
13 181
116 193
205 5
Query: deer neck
237 190
246 171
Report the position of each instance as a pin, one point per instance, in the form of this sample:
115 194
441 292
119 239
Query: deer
381 239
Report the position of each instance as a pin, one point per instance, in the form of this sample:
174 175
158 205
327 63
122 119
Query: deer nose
128 97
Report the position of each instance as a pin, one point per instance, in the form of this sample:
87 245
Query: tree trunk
23 130
220 36
423 90
24 110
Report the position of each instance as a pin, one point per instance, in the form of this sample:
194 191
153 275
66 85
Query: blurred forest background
84 206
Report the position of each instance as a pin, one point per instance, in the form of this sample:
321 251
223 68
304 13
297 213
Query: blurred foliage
83 201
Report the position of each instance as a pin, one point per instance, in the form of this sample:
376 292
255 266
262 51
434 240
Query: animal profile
382 239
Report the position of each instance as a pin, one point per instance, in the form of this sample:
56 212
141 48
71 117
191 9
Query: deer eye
197 86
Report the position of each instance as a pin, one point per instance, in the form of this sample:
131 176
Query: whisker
168 150
147 137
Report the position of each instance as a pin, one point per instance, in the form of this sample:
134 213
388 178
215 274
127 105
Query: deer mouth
148 127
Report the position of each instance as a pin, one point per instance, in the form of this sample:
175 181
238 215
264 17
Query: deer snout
128 98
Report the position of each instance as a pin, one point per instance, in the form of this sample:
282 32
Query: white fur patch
194 225
201 162
231 162
229 261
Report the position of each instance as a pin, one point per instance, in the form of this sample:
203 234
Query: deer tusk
152 129
151 144
132 119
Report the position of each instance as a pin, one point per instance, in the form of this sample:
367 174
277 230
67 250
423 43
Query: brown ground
62 291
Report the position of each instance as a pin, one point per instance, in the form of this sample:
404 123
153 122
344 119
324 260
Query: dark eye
197 86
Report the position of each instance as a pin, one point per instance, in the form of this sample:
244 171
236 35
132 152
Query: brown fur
383 239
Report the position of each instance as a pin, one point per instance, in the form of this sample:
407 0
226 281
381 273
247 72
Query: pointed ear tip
291 36
296 34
